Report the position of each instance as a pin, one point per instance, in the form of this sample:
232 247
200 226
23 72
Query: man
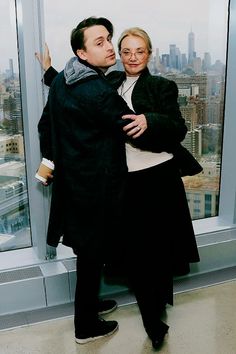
81 132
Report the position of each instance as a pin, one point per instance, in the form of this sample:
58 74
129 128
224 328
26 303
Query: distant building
191 47
202 195
11 144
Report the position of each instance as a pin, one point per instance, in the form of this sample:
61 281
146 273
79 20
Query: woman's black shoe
160 332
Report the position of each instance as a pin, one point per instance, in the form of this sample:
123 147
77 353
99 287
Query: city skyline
190 54
165 25
190 51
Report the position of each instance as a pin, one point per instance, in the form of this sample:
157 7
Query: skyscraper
11 70
172 56
191 45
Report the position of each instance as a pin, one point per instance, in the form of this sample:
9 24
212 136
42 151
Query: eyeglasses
139 54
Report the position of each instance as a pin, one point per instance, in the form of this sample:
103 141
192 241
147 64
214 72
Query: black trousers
157 211
89 269
101 247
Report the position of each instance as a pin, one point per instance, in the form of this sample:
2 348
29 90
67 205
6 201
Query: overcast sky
166 21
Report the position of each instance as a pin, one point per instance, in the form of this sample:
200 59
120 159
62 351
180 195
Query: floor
202 321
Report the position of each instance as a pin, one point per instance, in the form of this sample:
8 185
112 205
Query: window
14 205
189 47
168 16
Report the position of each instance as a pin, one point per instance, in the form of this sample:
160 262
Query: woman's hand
44 59
137 127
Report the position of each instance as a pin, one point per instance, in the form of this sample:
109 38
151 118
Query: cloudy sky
166 21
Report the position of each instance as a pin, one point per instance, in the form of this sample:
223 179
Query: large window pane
14 209
189 40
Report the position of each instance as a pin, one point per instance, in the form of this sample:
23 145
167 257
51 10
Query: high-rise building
206 63
11 70
184 61
197 65
173 56
191 47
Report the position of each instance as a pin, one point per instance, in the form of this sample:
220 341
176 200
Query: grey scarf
75 71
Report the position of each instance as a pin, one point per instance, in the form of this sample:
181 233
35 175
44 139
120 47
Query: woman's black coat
157 97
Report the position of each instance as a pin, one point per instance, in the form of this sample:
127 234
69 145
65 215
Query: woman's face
134 55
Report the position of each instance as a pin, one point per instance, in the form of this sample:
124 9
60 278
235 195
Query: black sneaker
101 329
106 306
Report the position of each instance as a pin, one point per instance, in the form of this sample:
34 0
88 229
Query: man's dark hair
77 34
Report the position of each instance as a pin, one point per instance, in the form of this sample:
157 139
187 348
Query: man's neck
104 70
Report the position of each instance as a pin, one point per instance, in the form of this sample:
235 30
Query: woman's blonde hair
138 32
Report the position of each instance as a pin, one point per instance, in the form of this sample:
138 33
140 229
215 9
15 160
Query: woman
155 200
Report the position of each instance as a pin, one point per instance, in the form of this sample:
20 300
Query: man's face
99 50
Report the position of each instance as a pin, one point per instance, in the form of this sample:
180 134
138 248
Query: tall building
165 60
178 59
206 63
184 61
173 56
11 70
191 47
197 65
